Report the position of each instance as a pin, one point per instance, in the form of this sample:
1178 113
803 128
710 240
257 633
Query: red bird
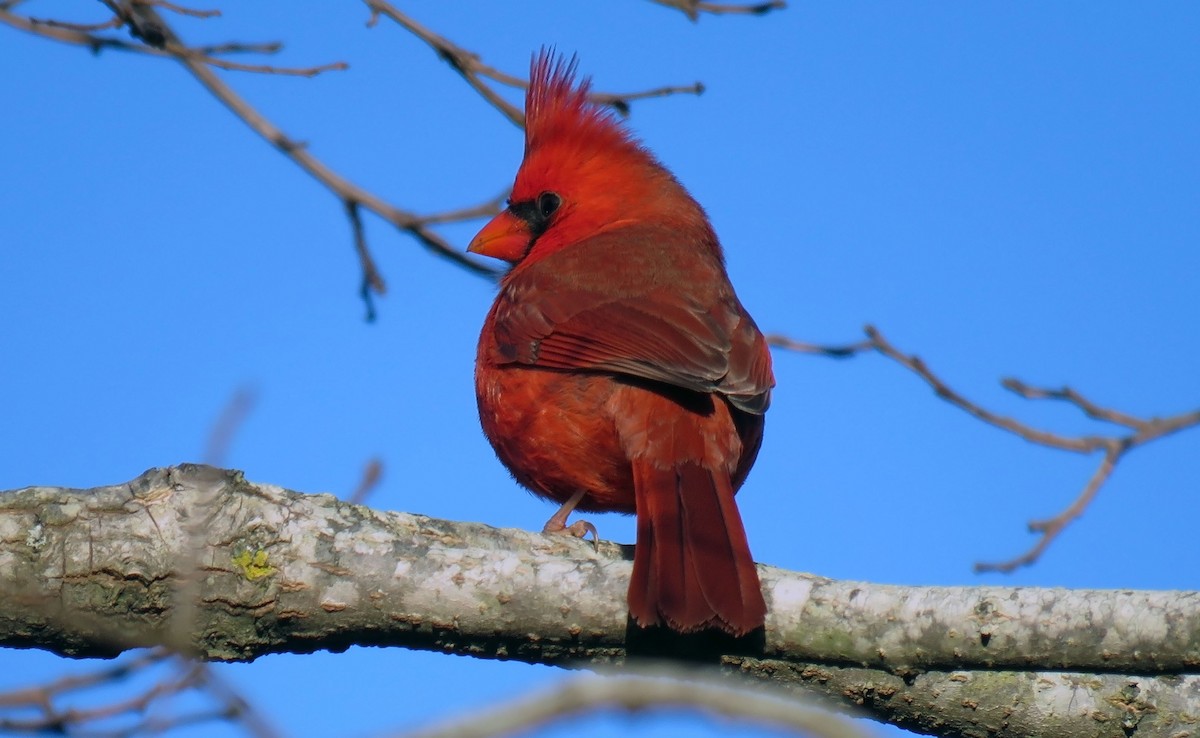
617 370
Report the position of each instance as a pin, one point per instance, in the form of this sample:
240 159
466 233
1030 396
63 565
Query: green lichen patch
253 566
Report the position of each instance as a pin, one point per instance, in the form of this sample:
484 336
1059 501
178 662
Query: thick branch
202 560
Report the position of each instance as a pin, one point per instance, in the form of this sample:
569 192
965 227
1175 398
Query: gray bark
202 560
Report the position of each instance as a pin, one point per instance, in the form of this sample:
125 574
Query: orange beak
505 237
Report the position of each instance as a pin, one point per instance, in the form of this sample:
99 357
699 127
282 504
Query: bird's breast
551 429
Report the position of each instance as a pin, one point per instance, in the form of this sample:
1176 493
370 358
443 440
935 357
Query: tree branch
142 19
144 24
96 572
351 195
475 72
1114 447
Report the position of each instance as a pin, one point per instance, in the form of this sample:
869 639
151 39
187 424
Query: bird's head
583 173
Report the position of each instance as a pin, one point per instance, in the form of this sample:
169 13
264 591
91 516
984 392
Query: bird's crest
557 109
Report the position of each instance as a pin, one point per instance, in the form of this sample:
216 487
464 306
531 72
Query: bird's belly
555 434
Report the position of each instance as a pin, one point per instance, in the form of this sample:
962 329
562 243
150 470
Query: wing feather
637 302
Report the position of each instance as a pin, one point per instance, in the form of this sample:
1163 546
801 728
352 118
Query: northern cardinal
617 370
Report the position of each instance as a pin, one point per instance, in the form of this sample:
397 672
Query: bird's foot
557 524
578 529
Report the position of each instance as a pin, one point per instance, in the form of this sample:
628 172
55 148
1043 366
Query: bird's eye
547 203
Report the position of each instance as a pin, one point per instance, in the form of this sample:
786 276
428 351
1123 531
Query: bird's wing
623 304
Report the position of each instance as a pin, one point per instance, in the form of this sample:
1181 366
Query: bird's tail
692 566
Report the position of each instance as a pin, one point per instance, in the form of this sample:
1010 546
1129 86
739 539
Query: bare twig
693 8
182 10
484 209
472 68
1114 447
145 23
352 196
1067 394
835 352
621 101
268 69
273 47
372 280
348 192
113 22
466 63
1084 444
138 17
72 33
1051 527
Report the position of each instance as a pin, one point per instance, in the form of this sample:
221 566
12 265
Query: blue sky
1007 189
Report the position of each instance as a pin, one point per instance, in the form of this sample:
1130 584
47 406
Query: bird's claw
578 529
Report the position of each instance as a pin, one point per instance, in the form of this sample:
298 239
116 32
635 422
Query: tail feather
719 550
692 565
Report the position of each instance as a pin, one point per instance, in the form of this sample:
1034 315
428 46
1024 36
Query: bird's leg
557 524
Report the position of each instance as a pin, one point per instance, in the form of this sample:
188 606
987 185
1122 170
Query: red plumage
617 370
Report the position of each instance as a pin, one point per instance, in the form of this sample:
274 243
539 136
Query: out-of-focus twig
132 711
43 695
371 477
635 694
236 706
1113 447
232 417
